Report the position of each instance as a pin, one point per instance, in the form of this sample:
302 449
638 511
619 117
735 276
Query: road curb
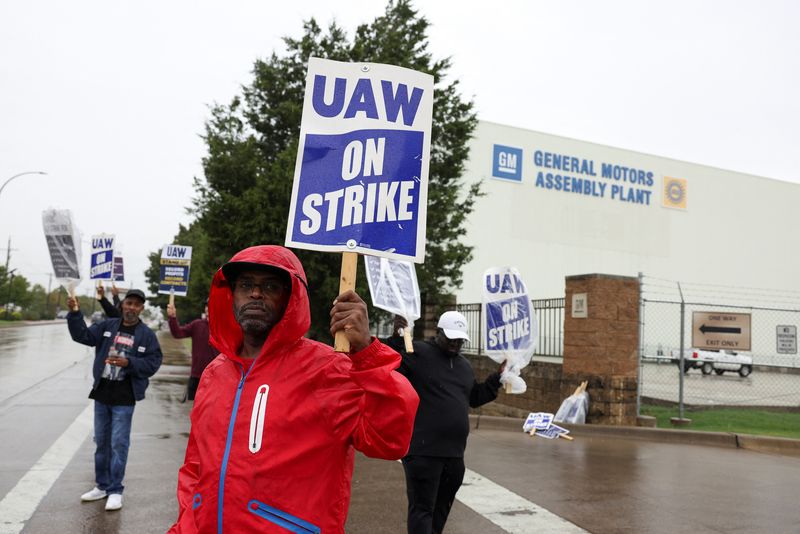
766 444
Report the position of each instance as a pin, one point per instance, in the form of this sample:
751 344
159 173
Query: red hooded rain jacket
271 445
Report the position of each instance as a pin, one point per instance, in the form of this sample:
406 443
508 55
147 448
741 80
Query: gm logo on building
507 163
675 194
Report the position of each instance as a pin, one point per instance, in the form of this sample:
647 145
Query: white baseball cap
454 325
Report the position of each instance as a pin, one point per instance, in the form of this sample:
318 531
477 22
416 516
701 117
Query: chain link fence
739 345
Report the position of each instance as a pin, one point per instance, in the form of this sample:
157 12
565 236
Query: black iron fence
550 319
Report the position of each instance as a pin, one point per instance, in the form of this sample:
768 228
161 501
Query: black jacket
111 310
447 388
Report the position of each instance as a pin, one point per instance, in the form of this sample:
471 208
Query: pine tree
252 145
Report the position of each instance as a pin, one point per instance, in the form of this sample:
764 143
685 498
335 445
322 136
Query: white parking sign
787 339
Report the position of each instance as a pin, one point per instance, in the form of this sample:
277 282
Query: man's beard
130 317
252 325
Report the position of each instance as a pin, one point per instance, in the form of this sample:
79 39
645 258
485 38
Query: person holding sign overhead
278 416
202 352
127 354
111 310
446 385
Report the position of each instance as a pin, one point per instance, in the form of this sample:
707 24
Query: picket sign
101 259
63 244
176 263
361 174
508 324
394 288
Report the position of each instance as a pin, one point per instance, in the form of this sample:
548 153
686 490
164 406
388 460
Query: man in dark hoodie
447 388
278 416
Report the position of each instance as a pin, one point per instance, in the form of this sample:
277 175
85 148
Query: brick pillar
601 339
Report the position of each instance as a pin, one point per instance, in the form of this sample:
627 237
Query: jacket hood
225 333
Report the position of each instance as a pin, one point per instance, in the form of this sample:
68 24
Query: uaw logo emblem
674 193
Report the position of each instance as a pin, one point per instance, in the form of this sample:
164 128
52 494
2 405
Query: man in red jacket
202 351
278 416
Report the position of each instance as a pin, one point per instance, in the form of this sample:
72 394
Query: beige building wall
735 229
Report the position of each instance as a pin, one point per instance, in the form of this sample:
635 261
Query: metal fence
766 375
549 316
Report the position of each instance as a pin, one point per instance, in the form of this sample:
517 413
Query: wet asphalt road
602 484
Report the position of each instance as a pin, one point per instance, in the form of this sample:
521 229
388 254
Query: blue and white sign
507 163
509 323
537 420
361 176
176 261
101 265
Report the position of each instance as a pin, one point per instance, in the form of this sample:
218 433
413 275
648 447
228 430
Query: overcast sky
110 98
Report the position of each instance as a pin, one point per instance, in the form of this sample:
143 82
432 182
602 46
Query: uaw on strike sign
361 177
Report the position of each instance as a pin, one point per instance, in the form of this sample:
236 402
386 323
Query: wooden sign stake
346 281
407 339
172 296
71 293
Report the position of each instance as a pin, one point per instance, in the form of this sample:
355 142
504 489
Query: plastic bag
575 407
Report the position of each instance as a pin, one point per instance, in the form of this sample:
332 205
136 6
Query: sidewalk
765 444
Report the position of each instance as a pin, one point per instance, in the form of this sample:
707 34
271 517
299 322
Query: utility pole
47 301
8 254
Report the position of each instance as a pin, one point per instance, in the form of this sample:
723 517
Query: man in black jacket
446 385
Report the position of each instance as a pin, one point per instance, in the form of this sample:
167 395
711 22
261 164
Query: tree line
243 197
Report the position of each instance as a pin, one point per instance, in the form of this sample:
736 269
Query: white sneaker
95 495
114 502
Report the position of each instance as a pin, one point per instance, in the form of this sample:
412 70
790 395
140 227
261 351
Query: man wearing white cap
446 385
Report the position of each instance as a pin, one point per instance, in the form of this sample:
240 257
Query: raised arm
176 329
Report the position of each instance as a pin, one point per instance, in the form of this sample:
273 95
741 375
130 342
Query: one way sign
721 330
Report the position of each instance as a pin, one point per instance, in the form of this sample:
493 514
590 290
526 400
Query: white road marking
509 511
21 502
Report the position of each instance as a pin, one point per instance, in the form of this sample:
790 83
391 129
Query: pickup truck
709 361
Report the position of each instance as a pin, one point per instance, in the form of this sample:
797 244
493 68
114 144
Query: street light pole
10 274
17 176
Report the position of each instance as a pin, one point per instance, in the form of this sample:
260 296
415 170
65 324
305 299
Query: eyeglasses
273 288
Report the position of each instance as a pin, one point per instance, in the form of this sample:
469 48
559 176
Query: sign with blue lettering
175 263
577 175
119 269
509 323
507 163
361 176
102 259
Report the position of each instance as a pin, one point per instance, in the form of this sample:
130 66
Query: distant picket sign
119 269
176 261
361 175
508 321
101 266
393 286
63 243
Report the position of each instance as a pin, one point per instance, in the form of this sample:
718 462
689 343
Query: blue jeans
112 435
